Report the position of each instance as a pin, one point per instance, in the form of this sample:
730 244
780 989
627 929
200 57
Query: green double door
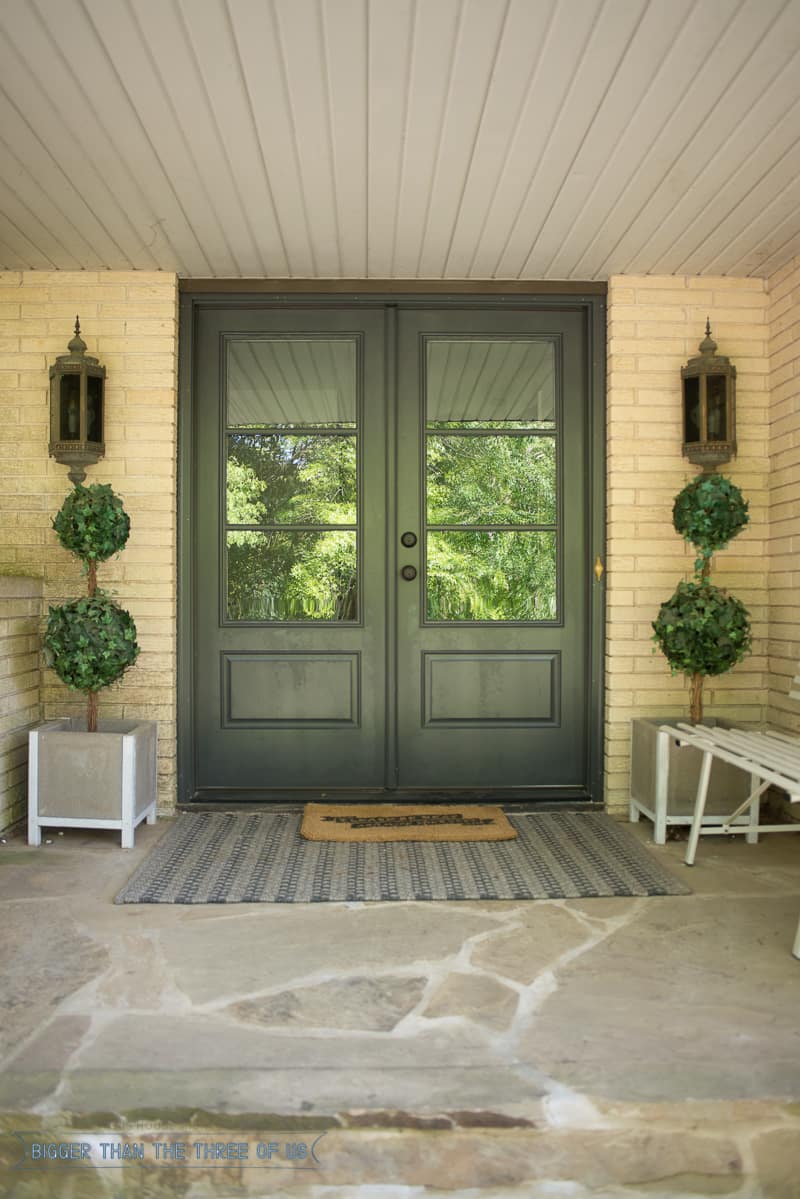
390 546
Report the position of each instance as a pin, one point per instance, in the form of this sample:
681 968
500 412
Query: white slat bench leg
751 836
699 807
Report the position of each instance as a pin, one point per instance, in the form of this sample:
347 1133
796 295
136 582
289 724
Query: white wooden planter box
106 779
664 779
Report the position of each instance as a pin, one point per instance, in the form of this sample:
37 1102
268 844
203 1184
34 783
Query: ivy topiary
709 512
92 523
91 642
700 629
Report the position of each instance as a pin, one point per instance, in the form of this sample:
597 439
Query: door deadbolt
409 539
409 573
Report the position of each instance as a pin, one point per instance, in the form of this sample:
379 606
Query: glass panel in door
490 480
291 484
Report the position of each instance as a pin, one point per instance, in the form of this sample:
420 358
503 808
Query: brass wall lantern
709 406
77 387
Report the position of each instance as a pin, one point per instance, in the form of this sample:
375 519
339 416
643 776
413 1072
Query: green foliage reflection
292 576
301 479
491 480
491 576
291 479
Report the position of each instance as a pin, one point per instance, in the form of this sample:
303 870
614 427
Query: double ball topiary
702 630
91 642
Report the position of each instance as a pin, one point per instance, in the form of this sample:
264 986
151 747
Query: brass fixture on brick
708 384
77 395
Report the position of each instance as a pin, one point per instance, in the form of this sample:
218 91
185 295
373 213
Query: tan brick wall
20 684
654 325
129 321
784 576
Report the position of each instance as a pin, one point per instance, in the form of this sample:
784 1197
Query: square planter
105 779
664 779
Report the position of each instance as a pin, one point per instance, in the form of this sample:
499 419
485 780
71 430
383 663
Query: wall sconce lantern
709 406
77 386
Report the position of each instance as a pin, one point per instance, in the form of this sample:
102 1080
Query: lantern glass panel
691 409
94 408
70 408
717 415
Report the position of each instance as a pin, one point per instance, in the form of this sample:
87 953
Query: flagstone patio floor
621 1048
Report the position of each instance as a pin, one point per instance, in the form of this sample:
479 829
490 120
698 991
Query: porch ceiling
430 139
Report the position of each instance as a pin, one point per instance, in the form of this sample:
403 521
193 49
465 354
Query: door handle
409 539
409 573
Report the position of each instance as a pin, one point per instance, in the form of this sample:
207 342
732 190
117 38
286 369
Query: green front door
390 551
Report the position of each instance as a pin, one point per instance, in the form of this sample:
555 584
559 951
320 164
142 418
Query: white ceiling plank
192 130
565 43
10 260
589 86
57 111
445 139
779 247
132 57
522 43
164 229
561 238
345 39
302 44
474 65
638 163
706 97
759 120
391 32
29 254
54 198
260 53
209 28
436 32
45 224
771 164
774 199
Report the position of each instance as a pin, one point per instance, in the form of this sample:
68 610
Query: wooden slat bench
770 758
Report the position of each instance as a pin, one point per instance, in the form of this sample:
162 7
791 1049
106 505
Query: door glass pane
294 479
490 382
491 480
483 469
492 576
287 575
292 459
291 381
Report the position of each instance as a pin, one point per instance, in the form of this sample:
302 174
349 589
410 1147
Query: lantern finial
77 345
708 345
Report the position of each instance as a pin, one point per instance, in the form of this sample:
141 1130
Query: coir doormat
241 857
404 822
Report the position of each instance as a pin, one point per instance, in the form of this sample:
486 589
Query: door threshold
296 802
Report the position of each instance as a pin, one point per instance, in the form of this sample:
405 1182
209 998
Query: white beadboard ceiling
400 139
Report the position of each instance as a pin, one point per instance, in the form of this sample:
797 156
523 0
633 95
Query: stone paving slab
743 1160
562 1049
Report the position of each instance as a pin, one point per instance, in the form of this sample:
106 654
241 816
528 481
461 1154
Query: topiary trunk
696 699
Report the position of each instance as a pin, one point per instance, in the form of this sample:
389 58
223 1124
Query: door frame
199 295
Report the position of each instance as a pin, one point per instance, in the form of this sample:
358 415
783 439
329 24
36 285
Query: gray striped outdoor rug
260 857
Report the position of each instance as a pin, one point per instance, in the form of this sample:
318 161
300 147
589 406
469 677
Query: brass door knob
409 573
409 539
